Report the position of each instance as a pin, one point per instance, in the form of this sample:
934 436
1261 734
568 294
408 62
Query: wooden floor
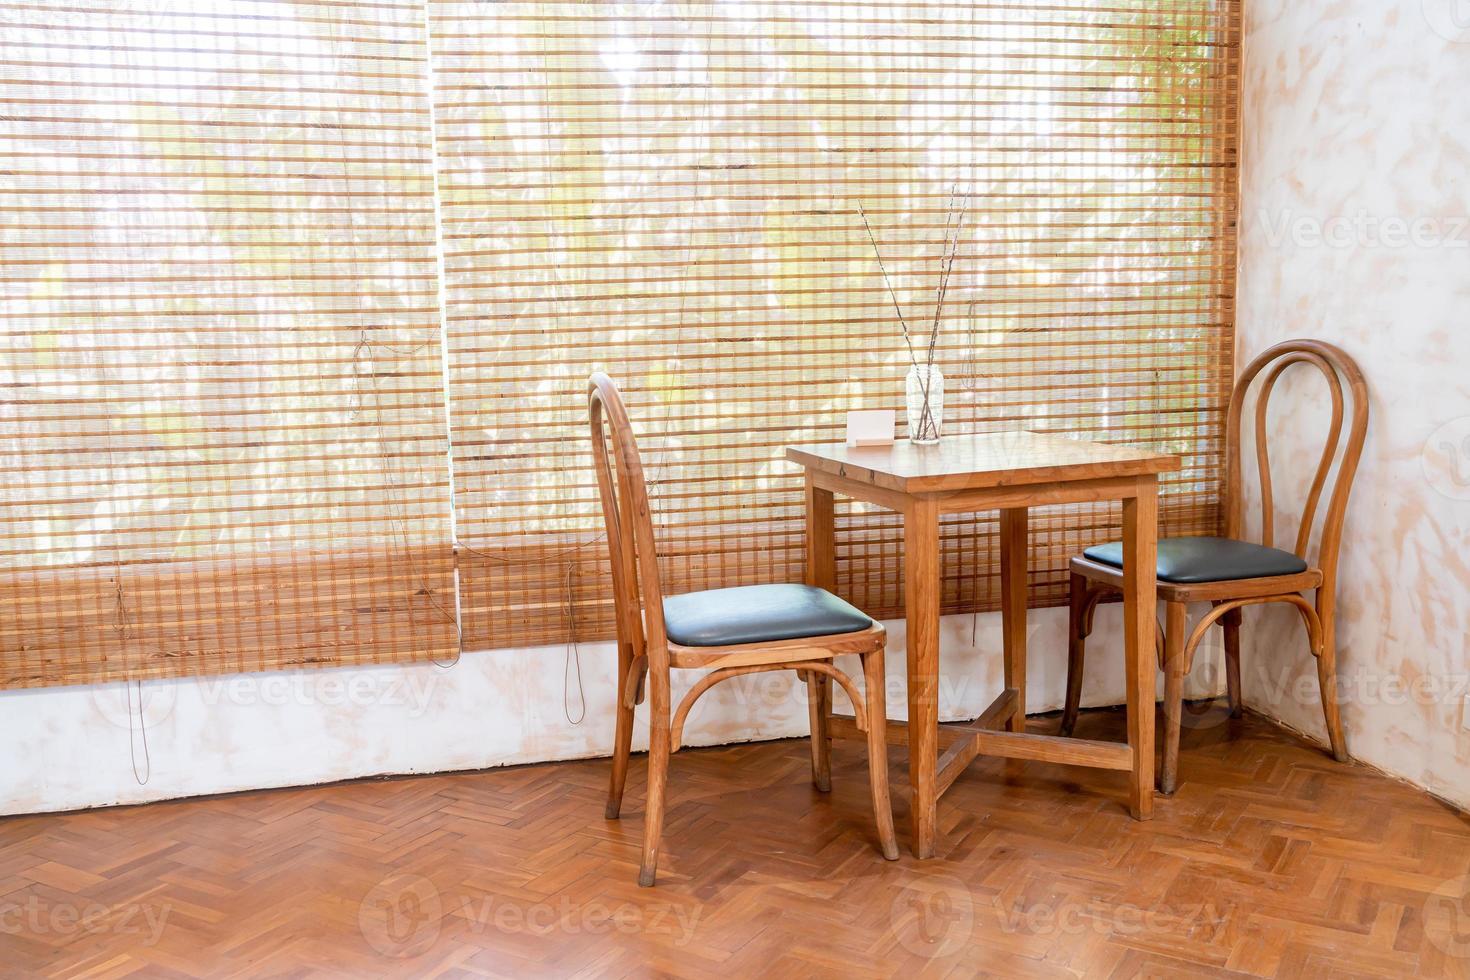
1270 861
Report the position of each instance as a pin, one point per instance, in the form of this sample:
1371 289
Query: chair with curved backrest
1232 573
731 632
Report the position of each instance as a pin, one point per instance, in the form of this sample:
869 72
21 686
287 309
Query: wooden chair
1232 573
732 632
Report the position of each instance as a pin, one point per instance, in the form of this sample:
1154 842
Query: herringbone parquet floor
1270 861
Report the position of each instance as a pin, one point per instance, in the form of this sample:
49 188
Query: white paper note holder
870 428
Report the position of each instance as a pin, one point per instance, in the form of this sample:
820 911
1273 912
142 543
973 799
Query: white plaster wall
68 748
1355 197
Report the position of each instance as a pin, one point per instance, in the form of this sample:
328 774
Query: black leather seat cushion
758 614
1190 561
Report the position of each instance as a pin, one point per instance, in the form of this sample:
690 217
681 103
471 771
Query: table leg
921 598
821 571
1013 609
819 710
1140 559
821 535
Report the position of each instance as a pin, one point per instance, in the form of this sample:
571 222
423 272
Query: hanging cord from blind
123 618
573 657
142 730
572 665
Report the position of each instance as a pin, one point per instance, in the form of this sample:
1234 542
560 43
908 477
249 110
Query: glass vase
924 396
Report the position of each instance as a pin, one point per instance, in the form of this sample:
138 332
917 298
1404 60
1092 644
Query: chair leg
1230 623
819 705
1174 626
1076 651
658 776
622 739
875 681
1327 681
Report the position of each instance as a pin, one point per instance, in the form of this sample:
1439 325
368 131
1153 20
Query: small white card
870 428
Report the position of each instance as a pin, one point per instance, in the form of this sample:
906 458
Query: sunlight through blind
672 192
223 422
222 414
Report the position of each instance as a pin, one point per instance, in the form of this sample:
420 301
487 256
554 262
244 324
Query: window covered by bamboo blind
221 405
673 192
222 425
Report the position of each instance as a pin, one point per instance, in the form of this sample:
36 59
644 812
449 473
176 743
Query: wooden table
1009 472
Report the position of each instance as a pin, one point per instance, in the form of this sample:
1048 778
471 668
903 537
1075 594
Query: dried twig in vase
954 220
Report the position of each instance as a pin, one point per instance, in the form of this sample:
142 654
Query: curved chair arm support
676 731
1308 613
633 687
1090 600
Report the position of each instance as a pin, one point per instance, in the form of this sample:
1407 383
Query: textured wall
1355 199
69 747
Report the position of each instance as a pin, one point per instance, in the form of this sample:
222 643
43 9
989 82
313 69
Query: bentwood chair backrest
1343 444
637 592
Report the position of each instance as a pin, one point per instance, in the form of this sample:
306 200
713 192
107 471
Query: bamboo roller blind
221 399
223 396
671 192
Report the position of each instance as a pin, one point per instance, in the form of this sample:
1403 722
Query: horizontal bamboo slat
221 389
222 397
671 194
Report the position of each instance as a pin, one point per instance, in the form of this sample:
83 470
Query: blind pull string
123 620
559 291
142 729
454 547
573 657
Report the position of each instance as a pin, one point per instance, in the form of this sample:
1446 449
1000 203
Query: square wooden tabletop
995 459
